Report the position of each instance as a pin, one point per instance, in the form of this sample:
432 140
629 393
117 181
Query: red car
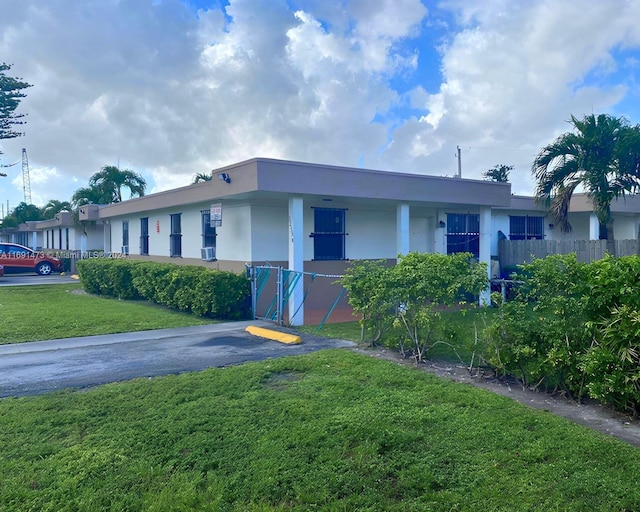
18 258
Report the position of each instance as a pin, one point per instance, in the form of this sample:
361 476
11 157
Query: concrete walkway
43 366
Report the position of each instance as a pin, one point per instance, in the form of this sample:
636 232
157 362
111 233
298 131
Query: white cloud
169 93
512 77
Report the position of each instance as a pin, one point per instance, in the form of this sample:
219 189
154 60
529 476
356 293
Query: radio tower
26 180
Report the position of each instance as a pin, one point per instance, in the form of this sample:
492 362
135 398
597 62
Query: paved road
43 366
32 279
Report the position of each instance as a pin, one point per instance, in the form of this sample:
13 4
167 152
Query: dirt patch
589 413
280 381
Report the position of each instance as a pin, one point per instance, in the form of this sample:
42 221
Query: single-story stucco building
316 218
304 217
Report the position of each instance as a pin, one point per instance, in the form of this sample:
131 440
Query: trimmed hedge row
198 290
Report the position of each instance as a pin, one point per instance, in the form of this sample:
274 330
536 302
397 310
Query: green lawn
332 431
43 312
453 340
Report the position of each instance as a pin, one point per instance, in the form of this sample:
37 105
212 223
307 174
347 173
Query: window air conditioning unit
208 253
124 249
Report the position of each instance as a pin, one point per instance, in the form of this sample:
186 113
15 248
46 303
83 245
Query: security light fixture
442 224
223 176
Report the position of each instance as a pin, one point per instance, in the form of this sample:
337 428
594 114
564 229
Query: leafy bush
543 333
110 277
573 326
369 295
612 363
411 295
190 288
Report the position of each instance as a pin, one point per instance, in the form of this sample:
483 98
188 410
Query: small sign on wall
215 219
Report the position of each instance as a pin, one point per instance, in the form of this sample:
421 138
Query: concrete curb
289 339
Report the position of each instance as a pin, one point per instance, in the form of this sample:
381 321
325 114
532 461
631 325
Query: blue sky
169 88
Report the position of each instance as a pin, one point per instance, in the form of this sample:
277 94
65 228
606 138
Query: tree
10 96
201 176
89 195
106 186
25 212
111 180
499 173
600 156
53 207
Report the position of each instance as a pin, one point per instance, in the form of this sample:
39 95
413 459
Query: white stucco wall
191 225
421 234
95 238
579 228
234 236
270 233
625 228
372 234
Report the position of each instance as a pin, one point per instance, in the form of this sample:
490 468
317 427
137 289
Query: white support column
402 229
440 234
594 227
485 250
106 237
296 258
34 240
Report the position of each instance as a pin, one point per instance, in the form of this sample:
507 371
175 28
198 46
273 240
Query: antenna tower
26 180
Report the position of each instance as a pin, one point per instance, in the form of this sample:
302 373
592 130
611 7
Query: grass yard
331 431
453 340
334 431
42 312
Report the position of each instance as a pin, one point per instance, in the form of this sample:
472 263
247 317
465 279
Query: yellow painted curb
289 339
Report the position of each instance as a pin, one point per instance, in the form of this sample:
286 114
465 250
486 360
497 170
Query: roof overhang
262 179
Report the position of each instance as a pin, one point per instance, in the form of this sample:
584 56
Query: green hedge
573 326
198 290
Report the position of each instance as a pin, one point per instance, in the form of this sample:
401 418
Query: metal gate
272 287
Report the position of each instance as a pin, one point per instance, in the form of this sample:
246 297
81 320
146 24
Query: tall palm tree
90 195
54 206
111 180
201 176
590 158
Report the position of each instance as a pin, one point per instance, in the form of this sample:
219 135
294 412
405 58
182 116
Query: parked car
18 258
1 270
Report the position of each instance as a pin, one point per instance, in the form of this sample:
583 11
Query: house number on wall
157 226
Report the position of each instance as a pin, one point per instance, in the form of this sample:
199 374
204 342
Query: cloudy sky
169 88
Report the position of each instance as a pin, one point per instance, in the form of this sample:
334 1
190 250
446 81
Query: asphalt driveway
30 279
44 366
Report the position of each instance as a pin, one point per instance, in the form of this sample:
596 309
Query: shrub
369 295
544 332
199 290
612 365
110 277
410 295
573 326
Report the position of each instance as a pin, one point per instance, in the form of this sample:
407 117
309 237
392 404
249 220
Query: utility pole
459 161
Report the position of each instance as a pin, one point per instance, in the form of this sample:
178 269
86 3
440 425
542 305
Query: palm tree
54 206
111 180
90 195
592 158
200 176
